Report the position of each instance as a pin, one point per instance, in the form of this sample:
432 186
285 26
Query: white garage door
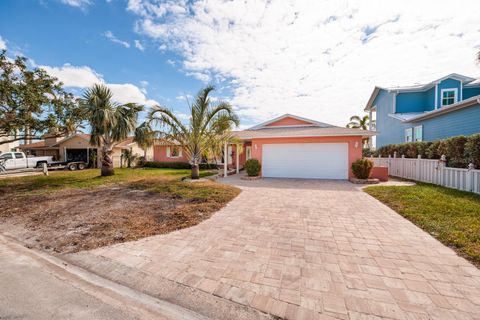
305 160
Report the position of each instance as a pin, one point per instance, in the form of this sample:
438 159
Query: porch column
225 159
237 153
370 127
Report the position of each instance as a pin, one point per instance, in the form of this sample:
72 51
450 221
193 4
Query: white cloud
128 92
75 76
110 36
318 59
139 45
82 77
3 44
77 3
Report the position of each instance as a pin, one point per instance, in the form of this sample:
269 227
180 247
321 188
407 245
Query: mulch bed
81 219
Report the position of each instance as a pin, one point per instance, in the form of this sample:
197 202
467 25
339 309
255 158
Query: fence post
418 171
469 177
403 166
441 165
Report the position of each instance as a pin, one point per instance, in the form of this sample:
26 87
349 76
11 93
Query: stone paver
304 249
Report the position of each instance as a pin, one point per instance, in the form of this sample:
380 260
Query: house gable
289 121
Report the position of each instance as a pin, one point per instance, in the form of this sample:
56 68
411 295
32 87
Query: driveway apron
301 249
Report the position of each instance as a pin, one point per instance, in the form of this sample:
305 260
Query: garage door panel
305 160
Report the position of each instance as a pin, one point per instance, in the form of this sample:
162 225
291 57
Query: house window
409 135
418 133
174 152
449 96
249 152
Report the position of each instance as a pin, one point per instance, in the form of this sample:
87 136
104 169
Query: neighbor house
449 106
289 147
77 147
8 146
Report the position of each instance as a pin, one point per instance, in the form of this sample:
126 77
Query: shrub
367 152
253 167
472 150
362 168
178 165
459 150
456 152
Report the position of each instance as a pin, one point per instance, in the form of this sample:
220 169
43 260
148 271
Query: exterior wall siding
390 129
411 102
160 154
462 122
470 92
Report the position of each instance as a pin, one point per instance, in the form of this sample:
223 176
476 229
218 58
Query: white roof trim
366 134
287 115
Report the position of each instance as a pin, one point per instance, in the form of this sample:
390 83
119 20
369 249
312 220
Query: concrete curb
115 294
209 305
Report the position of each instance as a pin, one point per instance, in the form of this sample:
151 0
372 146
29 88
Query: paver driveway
311 249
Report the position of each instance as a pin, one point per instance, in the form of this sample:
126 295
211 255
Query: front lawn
79 210
450 215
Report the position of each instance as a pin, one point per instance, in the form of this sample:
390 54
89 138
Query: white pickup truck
18 160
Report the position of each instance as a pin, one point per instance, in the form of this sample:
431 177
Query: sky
318 59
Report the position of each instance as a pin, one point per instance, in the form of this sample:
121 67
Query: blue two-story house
443 108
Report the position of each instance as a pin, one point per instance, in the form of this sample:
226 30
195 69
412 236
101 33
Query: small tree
144 137
110 122
33 103
206 121
361 123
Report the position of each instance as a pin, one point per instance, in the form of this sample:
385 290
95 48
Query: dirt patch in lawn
80 219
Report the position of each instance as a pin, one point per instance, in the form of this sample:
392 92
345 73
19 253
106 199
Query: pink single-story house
290 147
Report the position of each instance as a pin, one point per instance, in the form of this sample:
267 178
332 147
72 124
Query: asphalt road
34 288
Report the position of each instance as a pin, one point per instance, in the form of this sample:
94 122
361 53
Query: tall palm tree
207 121
110 122
360 123
145 138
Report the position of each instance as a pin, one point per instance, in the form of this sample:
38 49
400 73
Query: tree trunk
195 171
107 161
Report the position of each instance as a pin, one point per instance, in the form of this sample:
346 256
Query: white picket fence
431 171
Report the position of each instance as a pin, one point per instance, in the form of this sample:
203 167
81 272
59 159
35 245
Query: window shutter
179 152
168 152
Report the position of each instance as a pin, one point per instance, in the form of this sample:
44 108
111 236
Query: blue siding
391 130
470 92
411 102
462 122
448 84
429 100
465 121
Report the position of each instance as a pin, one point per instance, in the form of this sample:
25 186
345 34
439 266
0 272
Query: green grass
159 180
450 215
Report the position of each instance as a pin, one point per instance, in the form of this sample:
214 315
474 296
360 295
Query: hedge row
460 150
178 165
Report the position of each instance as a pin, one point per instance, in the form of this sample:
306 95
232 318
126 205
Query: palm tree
207 122
110 122
360 123
144 137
